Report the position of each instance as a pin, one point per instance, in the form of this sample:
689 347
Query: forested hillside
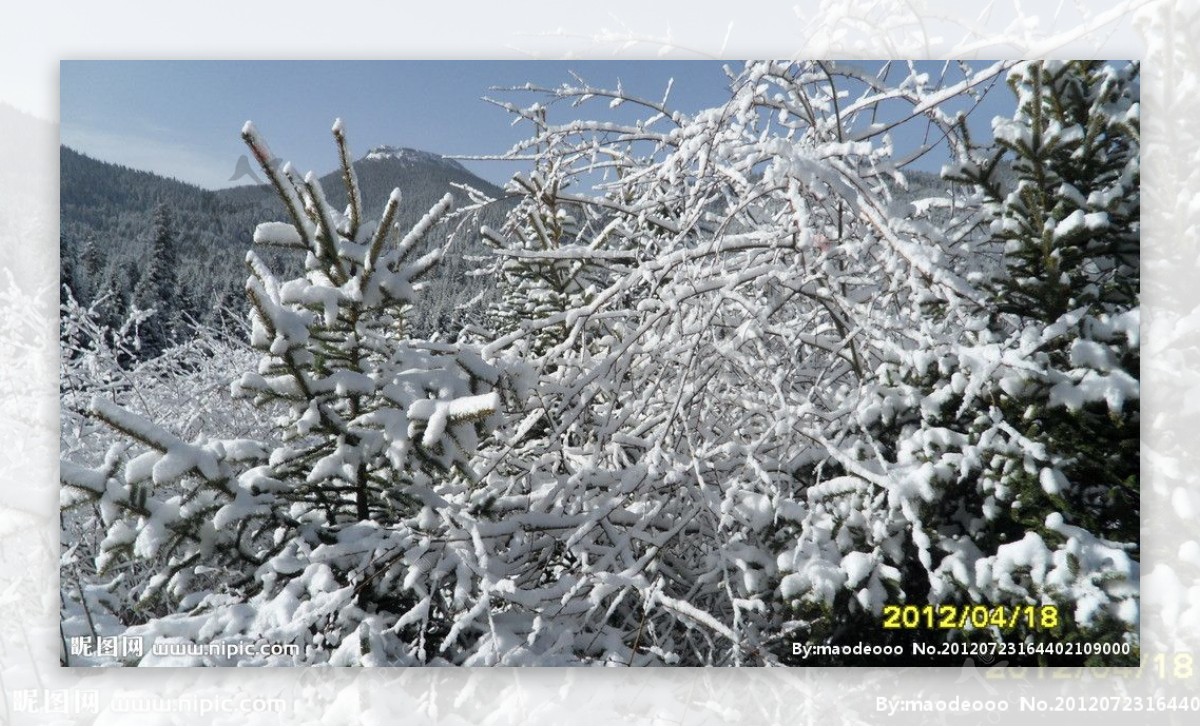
108 226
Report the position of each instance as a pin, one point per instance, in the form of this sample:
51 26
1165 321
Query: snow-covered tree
93 259
335 530
1071 220
156 285
1071 228
538 275
1013 425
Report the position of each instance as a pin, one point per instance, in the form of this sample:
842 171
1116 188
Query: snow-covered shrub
94 357
717 403
101 359
98 359
340 534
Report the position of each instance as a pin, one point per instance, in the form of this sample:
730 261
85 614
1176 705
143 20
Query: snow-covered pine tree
1071 228
381 413
1071 222
348 534
538 277
1010 429
69 274
156 287
92 259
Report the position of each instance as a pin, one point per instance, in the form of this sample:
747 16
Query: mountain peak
410 157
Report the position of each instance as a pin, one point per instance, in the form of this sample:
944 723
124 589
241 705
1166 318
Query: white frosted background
32 41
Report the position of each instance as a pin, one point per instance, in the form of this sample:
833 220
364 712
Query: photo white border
35 690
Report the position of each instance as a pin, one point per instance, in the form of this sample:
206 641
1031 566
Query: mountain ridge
409 155
109 208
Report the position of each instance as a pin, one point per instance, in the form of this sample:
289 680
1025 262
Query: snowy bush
319 529
794 375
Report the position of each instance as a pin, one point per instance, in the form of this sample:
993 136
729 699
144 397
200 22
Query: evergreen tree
1072 231
1079 200
1071 223
92 260
376 431
1016 440
537 277
157 286
68 283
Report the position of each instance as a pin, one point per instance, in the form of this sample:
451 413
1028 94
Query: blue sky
182 118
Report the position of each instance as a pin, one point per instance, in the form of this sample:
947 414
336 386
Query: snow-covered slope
412 157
